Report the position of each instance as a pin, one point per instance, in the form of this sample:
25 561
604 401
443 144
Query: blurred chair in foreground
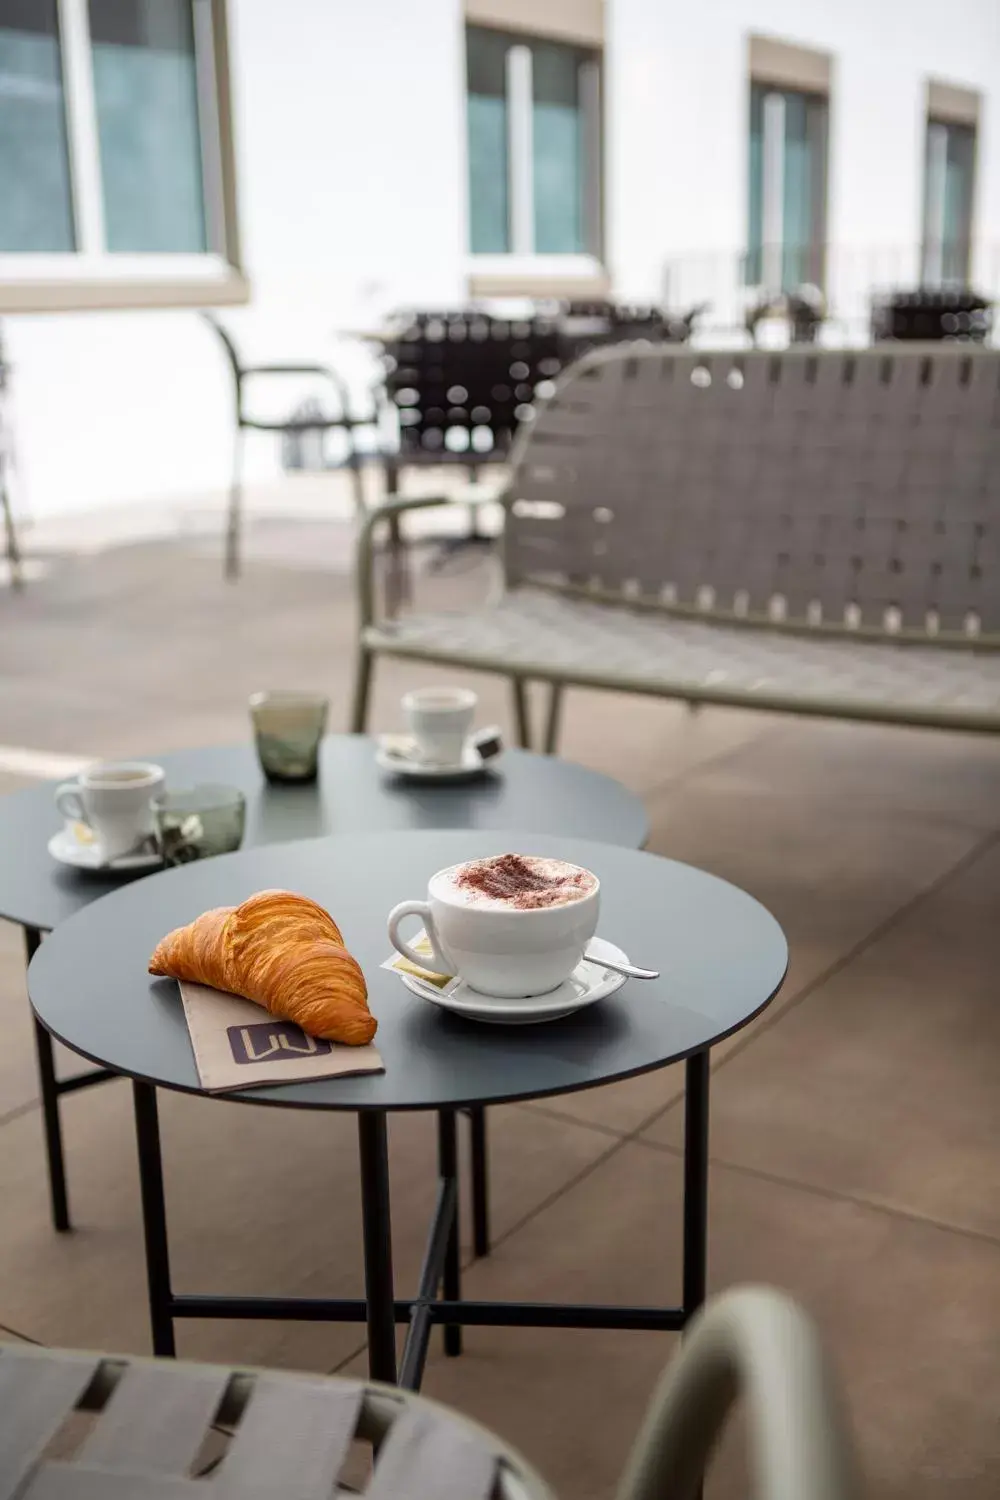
275 1435
339 420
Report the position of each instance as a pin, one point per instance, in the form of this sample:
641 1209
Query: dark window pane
486 55
35 204
145 86
558 149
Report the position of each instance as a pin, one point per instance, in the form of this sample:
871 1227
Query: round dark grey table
517 790
722 957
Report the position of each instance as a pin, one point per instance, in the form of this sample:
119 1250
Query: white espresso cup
114 798
498 949
440 721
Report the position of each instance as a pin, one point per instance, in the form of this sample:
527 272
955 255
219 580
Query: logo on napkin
237 1045
273 1042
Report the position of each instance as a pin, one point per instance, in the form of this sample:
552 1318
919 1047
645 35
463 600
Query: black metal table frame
380 1309
52 1088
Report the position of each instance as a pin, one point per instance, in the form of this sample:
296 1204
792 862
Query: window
787 188
115 154
148 125
35 206
948 185
533 126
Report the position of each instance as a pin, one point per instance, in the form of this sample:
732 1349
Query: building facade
318 163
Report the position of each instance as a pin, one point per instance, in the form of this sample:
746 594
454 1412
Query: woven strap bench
810 531
79 1426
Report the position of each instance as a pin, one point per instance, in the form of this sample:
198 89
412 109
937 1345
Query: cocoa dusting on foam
524 883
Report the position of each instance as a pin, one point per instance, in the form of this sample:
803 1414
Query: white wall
350 121
350 131
677 130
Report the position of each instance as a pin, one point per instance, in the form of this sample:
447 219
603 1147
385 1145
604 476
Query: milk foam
546 883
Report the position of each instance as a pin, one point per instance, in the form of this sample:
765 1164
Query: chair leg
553 717
397 570
522 724
357 479
362 690
232 564
13 549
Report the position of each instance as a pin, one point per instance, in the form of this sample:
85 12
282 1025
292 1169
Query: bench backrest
845 489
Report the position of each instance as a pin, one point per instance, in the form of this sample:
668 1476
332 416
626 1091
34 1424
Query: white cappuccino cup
502 944
114 799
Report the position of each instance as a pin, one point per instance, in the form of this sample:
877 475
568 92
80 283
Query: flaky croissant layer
282 951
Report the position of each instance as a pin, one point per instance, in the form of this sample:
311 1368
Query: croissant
282 951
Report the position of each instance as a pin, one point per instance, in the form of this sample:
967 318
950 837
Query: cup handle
437 964
69 802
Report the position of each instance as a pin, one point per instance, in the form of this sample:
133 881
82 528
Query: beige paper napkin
239 1045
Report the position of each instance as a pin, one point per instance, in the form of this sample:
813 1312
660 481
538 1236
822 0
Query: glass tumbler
198 822
288 728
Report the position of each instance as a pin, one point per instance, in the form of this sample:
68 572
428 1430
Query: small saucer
391 755
70 850
587 984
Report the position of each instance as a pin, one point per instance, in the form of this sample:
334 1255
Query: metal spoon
629 970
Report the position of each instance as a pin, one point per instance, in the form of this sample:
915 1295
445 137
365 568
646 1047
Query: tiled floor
855 1127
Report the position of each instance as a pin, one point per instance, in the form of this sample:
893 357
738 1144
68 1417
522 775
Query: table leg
448 1172
480 1182
48 1084
154 1217
522 713
695 1182
377 1228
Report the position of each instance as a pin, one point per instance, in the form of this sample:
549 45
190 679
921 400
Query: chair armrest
285 368
388 511
324 372
759 1342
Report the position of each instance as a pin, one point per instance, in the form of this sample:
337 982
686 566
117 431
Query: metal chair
342 421
156 1424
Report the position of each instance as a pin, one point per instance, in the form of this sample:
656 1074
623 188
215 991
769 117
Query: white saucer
587 983
398 763
69 850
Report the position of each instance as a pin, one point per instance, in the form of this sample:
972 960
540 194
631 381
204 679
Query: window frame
757 257
92 276
521 269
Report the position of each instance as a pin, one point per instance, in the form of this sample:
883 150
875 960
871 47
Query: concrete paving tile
882 1084
876 768
831 879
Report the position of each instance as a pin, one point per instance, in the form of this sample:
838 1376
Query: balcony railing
738 288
